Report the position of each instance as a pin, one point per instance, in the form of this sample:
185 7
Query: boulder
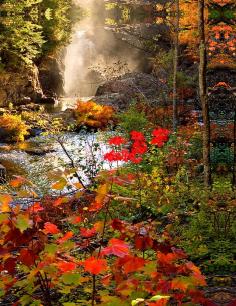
3 110
3 134
48 100
20 87
40 151
34 132
121 91
29 107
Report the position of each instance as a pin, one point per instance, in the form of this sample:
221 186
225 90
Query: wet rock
29 107
117 100
25 100
3 134
3 174
34 132
50 74
5 148
48 100
120 92
18 86
12 168
3 110
40 151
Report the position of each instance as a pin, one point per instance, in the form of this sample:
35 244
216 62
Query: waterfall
78 59
93 45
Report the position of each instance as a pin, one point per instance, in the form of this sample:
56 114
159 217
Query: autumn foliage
93 115
88 255
13 127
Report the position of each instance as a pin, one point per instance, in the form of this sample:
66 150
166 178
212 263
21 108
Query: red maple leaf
131 263
75 219
65 266
143 243
161 302
94 265
10 265
116 247
118 225
50 228
27 257
36 207
67 236
87 233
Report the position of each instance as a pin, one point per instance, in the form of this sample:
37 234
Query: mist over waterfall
78 59
93 45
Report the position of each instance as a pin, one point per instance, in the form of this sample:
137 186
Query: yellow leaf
78 185
99 226
101 193
59 185
5 200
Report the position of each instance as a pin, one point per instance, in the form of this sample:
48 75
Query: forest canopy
31 28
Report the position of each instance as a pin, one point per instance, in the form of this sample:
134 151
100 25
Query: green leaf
3 217
36 303
159 297
25 300
22 222
65 290
51 248
70 278
69 304
137 301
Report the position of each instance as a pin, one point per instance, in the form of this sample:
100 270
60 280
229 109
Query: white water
79 57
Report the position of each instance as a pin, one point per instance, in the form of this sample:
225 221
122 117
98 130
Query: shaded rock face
50 75
20 87
120 92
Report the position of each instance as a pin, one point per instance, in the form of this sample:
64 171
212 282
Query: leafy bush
132 120
93 115
13 127
92 256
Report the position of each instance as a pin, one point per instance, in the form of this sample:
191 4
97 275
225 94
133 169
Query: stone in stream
3 174
48 100
40 151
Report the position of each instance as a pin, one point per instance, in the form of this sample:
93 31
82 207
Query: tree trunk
175 66
203 94
234 167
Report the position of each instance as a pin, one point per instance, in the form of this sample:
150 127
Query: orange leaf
94 265
59 185
88 233
36 208
5 200
17 182
66 266
67 236
75 219
50 228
